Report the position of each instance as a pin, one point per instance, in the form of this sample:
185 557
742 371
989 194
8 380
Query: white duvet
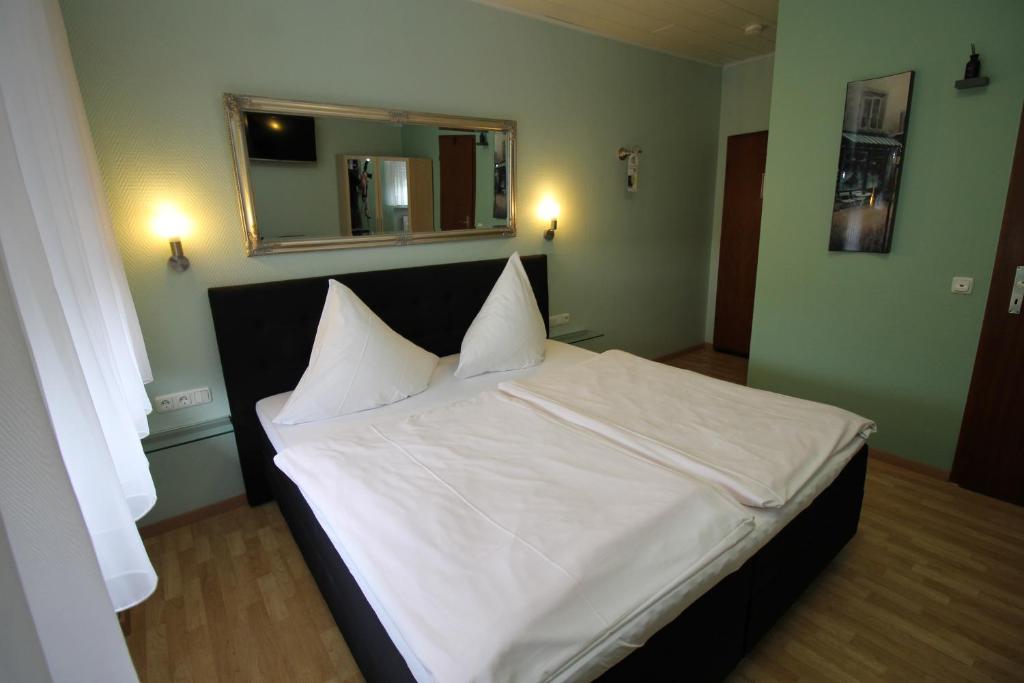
759 446
503 543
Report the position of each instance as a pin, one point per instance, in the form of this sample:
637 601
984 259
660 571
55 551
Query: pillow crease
508 333
357 363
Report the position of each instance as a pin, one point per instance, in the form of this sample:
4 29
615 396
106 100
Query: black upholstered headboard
265 331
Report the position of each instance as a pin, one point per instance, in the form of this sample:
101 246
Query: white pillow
358 362
508 333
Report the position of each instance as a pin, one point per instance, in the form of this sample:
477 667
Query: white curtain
396 183
71 292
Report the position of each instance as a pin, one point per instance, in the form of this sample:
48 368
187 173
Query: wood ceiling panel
707 30
739 12
574 13
731 24
679 40
731 34
597 24
581 10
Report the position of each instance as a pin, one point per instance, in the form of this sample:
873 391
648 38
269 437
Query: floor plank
707 361
235 603
928 590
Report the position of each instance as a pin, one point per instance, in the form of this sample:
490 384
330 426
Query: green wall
152 75
881 334
192 475
746 100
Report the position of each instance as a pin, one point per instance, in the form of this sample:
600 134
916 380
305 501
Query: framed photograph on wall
871 153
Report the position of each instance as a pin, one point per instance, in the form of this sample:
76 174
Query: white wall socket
558 319
962 285
182 399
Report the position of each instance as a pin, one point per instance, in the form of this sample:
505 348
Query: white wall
21 654
746 99
56 620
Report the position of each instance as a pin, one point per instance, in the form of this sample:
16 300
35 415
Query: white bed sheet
506 544
444 388
447 389
760 446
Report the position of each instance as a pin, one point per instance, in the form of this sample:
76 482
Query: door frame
1011 236
721 236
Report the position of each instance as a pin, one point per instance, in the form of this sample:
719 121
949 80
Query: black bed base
706 641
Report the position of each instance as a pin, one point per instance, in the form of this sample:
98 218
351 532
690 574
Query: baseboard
192 516
907 463
688 349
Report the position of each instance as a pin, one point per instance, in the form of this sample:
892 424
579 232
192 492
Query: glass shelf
577 336
179 436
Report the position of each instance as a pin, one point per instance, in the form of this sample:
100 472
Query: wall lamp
178 262
549 212
172 224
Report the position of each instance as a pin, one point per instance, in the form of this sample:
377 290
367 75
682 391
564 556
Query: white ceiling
709 31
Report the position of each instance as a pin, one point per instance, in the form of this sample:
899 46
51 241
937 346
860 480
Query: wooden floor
929 589
235 602
707 361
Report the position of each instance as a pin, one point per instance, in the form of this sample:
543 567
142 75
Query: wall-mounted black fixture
972 73
178 262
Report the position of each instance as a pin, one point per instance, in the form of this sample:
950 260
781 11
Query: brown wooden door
990 453
421 195
458 181
741 231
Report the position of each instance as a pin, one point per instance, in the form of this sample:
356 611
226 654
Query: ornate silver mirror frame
256 245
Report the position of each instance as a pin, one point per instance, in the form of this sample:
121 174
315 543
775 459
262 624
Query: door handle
1017 293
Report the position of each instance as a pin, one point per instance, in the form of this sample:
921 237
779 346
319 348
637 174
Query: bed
265 332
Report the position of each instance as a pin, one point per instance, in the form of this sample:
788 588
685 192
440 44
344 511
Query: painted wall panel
881 334
192 475
152 75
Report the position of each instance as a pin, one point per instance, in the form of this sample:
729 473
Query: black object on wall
972 73
280 137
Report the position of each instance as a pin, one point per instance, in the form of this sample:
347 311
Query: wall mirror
322 176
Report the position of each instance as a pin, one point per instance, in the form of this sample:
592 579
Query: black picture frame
872 152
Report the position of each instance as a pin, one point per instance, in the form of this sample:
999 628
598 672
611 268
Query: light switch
200 396
962 285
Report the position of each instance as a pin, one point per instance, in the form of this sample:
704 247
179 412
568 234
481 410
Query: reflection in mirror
394 195
332 177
